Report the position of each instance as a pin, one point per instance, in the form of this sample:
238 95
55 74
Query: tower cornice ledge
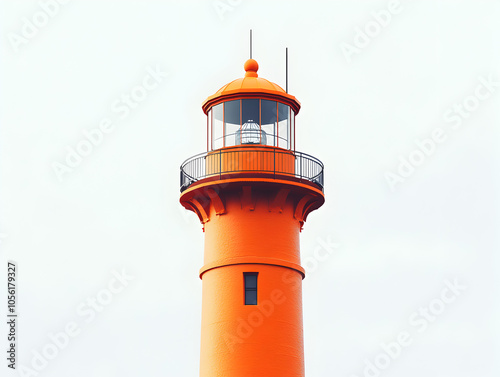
207 197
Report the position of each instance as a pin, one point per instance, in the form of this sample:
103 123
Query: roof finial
251 67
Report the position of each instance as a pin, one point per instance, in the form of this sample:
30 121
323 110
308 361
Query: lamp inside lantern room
250 134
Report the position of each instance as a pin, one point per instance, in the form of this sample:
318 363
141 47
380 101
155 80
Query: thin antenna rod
286 69
250 43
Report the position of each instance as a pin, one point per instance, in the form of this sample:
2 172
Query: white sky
119 208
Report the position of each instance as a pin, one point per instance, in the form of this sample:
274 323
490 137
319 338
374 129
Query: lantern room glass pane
231 121
292 130
250 110
209 130
283 125
217 126
268 120
250 128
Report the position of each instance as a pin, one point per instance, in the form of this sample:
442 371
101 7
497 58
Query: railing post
300 164
274 167
220 164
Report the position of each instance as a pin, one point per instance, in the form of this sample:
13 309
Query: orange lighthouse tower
252 191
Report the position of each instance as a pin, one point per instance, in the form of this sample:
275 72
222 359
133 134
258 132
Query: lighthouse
252 191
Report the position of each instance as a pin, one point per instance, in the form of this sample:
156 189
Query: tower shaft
256 234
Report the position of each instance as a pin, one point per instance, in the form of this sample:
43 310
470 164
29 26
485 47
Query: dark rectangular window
250 279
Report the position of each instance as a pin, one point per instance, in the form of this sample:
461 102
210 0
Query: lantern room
251 111
251 121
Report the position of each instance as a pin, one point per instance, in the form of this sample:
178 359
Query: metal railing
272 161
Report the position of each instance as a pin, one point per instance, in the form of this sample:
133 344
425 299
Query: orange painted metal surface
262 340
251 86
253 179
247 159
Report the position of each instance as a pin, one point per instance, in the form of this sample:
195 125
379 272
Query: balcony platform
252 163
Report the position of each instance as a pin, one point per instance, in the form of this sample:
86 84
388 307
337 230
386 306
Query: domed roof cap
251 86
